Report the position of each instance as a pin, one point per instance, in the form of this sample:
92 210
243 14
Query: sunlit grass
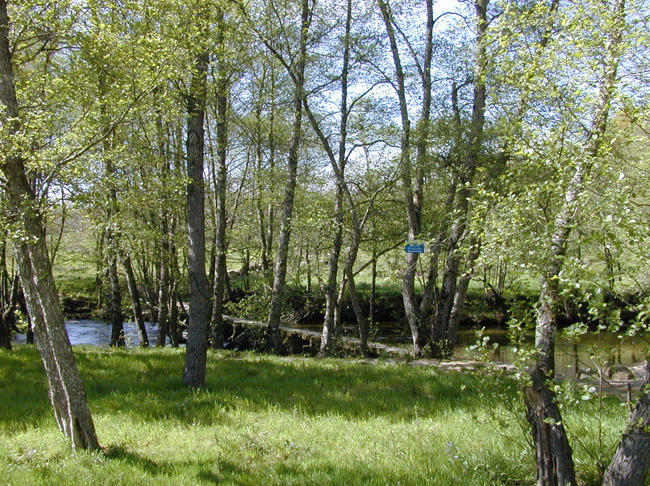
273 421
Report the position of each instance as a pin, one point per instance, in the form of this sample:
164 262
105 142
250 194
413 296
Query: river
85 332
589 351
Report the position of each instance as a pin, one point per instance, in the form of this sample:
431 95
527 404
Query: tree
220 271
199 312
279 275
433 316
67 393
571 138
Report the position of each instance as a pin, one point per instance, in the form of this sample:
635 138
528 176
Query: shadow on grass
147 384
294 472
206 471
23 389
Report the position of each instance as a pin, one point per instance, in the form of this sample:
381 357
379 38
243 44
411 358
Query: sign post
414 248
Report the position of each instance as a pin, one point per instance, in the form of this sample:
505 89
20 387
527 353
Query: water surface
586 352
86 332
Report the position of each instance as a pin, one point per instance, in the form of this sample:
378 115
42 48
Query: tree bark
174 332
6 307
5 332
199 311
67 393
362 322
631 461
115 297
163 287
135 301
114 300
441 341
552 450
331 302
412 210
332 276
554 461
220 189
280 272
461 292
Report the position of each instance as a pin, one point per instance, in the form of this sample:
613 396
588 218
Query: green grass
275 421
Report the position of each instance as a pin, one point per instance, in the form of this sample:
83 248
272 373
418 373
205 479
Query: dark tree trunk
554 456
99 269
67 393
413 183
362 322
271 209
5 332
174 332
22 303
343 192
631 461
115 299
135 302
412 210
6 309
442 341
461 293
220 189
163 290
373 288
199 311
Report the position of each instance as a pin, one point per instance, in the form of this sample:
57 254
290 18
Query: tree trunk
331 300
135 302
362 322
271 209
554 456
111 207
412 210
5 332
174 333
220 189
115 297
199 311
413 184
554 460
67 393
430 293
163 288
441 341
461 293
280 272
6 307
373 288
631 461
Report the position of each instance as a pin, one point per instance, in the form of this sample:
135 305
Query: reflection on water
589 351
96 333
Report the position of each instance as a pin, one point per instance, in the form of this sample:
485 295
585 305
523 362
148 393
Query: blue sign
414 248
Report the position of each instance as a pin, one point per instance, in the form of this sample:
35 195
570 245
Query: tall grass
274 421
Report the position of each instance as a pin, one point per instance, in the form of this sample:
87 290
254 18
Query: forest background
301 142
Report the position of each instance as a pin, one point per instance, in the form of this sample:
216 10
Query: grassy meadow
265 420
